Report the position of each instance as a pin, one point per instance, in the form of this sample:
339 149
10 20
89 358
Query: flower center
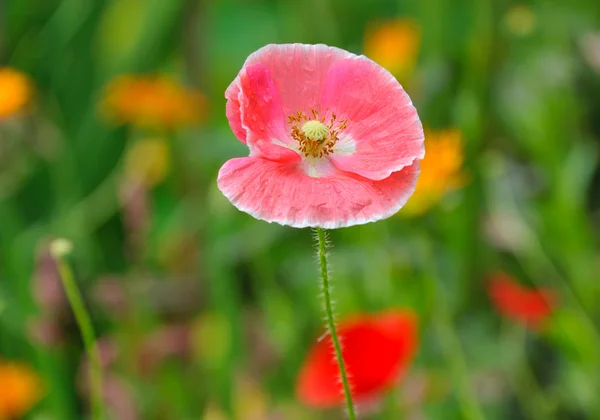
314 137
315 130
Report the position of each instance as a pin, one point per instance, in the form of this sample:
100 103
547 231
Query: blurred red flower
526 305
376 349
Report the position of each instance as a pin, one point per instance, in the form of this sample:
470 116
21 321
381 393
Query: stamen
314 137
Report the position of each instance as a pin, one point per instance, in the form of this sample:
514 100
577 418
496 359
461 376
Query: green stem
530 394
87 332
330 320
454 355
442 322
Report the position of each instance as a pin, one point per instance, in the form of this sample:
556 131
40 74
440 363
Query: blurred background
112 131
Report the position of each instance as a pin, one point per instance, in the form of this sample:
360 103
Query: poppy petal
528 306
233 111
376 351
382 121
262 116
285 194
299 72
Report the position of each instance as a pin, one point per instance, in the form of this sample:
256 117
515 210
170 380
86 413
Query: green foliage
246 292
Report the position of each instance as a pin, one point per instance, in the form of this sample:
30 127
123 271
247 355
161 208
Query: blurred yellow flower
213 412
249 402
393 44
441 170
15 91
152 102
211 335
177 252
148 162
520 20
20 389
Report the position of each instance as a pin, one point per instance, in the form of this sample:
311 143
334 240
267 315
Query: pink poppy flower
334 139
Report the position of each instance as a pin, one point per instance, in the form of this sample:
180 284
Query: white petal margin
284 194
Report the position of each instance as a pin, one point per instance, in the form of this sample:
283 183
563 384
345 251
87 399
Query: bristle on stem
323 243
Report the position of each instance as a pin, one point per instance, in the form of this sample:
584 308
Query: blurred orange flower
15 91
152 102
148 162
526 305
393 44
441 170
20 389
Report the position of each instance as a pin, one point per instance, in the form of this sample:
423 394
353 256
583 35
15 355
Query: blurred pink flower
591 49
261 350
47 286
136 214
47 327
116 395
118 400
334 139
45 330
109 293
108 352
168 296
168 341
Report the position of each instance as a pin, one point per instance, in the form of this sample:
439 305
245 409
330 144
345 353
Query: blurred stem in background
59 249
532 258
326 290
449 341
530 394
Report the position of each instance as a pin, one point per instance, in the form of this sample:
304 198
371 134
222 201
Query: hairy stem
322 253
